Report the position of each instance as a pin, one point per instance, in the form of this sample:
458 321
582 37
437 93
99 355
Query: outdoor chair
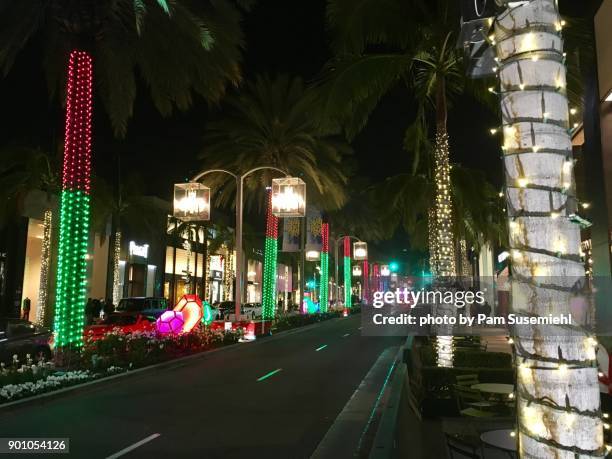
463 446
467 380
471 403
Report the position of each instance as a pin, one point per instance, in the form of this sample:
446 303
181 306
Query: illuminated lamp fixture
385 271
360 251
288 197
313 255
170 323
191 308
191 202
356 270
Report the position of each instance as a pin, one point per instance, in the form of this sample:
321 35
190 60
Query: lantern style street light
356 271
291 201
288 197
360 251
191 202
385 271
313 255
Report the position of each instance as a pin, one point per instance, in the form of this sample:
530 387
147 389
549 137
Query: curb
48 396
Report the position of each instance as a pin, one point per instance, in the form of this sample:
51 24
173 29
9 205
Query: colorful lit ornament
191 307
74 207
170 322
44 269
347 272
270 263
324 290
207 314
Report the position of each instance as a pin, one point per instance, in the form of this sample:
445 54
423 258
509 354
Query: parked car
127 322
252 310
149 306
225 309
20 337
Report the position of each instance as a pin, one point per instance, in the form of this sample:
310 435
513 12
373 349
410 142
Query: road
274 398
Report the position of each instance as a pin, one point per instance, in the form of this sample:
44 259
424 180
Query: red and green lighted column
270 261
347 273
324 290
74 210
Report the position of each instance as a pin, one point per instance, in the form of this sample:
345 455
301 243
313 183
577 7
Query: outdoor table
494 388
500 439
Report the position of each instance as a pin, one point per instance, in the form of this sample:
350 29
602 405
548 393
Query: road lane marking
267 375
138 444
359 328
320 348
345 335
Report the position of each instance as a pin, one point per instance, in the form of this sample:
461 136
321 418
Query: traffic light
394 266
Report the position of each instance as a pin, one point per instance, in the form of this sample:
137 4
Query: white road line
345 335
359 328
138 444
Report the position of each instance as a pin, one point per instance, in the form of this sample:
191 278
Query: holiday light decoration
191 307
324 290
444 241
366 282
228 273
207 315
170 322
117 294
74 207
558 403
44 268
347 272
270 264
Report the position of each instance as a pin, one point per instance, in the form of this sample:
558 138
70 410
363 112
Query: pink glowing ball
170 322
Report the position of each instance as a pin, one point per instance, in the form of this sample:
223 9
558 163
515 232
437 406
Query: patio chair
471 403
467 380
463 446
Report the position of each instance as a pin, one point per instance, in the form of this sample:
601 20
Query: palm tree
381 45
558 400
202 57
271 122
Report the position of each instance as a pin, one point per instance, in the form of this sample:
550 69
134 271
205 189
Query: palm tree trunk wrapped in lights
445 244
324 296
74 207
44 268
117 293
270 264
558 401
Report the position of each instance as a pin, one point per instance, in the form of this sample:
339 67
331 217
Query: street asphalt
273 398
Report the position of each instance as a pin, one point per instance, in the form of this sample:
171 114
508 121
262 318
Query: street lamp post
239 213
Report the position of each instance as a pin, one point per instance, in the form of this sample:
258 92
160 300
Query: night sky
281 37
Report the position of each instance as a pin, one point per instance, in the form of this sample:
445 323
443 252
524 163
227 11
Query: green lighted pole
324 289
270 264
347 272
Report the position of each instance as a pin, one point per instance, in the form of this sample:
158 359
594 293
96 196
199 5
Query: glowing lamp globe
360 251
313 255
191 202
385 270
191 308
288 197
356 271
170 322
